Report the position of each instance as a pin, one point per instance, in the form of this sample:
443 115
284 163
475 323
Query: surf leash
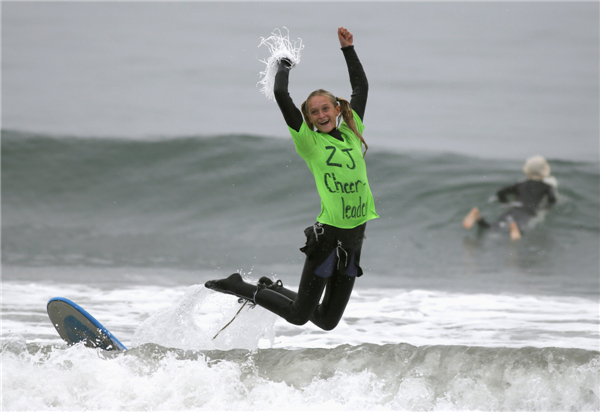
235 316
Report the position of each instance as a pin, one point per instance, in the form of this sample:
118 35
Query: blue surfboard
75 325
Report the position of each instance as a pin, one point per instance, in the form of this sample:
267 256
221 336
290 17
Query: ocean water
140 160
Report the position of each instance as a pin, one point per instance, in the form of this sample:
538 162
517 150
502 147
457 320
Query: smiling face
323 113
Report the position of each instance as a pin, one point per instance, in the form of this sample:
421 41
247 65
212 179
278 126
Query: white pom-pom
280 47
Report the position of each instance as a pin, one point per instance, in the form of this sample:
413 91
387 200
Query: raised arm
358 82
291 114
358 78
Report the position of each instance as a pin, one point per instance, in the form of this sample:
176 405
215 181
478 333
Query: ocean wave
363 377
241 201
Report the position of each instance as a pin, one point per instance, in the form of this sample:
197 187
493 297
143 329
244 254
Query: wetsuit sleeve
505 192
551 195
358 81
291 114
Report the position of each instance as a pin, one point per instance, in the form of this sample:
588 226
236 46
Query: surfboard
75 325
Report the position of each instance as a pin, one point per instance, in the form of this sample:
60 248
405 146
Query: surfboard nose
75 325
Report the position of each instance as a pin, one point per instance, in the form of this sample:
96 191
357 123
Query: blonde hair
536 168
346 112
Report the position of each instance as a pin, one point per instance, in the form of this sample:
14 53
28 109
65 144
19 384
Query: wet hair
346 112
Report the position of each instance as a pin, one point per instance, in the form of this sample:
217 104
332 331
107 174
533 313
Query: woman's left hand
345 37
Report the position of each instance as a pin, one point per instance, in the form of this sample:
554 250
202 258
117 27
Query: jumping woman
333 153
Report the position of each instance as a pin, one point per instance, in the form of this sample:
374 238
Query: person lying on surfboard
527 199
333 153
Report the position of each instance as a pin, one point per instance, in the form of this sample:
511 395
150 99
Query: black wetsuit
332 254
527 197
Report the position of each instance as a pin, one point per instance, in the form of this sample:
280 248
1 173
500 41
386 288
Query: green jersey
340 174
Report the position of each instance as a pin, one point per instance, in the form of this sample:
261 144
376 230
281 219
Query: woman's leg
296 308
475 217
337 294
322 268
341 269
471 217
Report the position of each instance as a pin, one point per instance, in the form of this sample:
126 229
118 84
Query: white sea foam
394 350
137 315
394 377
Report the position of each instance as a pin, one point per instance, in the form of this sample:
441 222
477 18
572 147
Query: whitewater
394 350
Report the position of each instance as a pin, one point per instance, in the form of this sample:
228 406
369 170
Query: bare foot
470 219
515 233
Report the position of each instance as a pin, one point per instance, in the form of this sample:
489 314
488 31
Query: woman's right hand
346 38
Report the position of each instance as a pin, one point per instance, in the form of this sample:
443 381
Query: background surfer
527 199
333 153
